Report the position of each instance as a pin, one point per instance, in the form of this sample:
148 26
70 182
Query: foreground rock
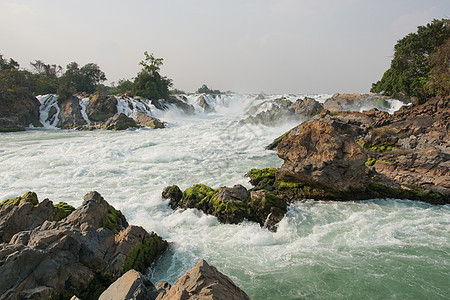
80 254
204 282
131 285
70 114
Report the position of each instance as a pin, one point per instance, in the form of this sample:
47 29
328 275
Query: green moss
143 255
113 220
261 173
381 147
198 192
370 162
377 190
30 197
286 185
64 210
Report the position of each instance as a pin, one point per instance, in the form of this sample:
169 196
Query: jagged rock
100 108
346 102
70 114
283 110
20 109
204 104
63 257
174 194
204 282
119 122
144 120
318 152
131 285
185 107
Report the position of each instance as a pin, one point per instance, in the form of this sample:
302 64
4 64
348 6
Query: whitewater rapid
322 250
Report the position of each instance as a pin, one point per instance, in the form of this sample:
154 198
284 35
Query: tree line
46 78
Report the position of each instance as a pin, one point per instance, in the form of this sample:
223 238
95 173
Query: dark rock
70 114
204 104
6 125
21 109
101 107
174 194
79 251
119 122
144 120
204 282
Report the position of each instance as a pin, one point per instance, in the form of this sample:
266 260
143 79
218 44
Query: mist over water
322 250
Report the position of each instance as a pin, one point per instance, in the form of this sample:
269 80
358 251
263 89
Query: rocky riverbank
341 156
56 251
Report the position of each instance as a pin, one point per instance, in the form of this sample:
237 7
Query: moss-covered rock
29 197
262 178
143 255
63 210
114 220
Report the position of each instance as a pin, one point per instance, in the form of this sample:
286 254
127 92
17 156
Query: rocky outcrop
100 108
144 120
70 114
174 100
230 205
79 254
119 122
283 110
18 110
204 104
204 282
131 285
356 102
322 153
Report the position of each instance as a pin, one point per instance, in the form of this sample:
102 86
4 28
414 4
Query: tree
84 79
8 65
411 67
205 90
148 82
46 77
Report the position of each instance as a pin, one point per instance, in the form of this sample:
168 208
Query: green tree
8 65
84 79
148 82
205 90
411 67
46 77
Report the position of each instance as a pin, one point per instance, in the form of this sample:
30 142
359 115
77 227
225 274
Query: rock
70 114
144 120
131 285
100 108
283 110
119 122
174 194
317 152
83 248
6 125
236 193
180 104
20 109
204 282
356 102
204 104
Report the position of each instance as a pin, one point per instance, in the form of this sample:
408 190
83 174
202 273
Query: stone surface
131 285
318 152
119 122
64 256
144 120
22 109
356 102
99 108
70 114
204 282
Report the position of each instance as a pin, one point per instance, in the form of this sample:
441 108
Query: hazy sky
275 46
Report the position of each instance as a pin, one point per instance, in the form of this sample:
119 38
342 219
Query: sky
271 46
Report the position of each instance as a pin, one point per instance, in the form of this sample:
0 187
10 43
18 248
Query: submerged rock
81 254
204 282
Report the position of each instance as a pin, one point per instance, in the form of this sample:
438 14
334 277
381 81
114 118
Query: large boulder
204 282
89 248
19 110
321 153
119 122
145 120
131 285
356 102
99 108
203 103
70 113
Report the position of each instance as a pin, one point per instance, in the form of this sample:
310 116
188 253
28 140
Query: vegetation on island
45 78
204 89
421 64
